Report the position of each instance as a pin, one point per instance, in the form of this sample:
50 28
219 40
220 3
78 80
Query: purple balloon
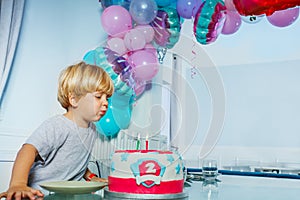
111 57
232 22
284 18
120 66
143 11
188 8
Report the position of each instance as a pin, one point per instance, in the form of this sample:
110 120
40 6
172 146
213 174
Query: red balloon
259 7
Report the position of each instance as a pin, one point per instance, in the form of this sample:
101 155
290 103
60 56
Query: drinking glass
209 170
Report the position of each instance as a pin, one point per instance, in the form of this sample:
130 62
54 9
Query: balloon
284 18
107 59
144 64
232 22
121 111
259 7
161 53
134 40
150 48
230 5
107 124
167 27
116 21
147 31
188 8
143 11
125 71
209 21
117 45
163 3
139 88
252 19
123 3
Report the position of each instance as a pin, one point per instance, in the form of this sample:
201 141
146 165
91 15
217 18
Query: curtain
11 14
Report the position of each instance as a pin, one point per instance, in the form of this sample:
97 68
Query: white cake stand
118 195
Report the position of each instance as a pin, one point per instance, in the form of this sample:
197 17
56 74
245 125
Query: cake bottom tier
129 185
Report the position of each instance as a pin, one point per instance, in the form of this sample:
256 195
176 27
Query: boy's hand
19 191
97 179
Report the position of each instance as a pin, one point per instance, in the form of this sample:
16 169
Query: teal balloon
123 3
107 125
163 3
118 114
167 27
121 109
209 21
89 57
99 57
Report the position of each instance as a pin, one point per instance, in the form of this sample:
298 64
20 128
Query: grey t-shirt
64 150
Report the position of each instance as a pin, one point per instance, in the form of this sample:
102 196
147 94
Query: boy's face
92 106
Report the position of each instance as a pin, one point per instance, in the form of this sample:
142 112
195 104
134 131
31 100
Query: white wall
259 67
54 35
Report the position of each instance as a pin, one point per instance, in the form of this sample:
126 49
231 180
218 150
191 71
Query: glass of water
210 170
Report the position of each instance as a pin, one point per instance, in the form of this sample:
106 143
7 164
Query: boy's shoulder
55 118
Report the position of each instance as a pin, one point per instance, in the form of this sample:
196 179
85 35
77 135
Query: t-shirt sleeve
46 139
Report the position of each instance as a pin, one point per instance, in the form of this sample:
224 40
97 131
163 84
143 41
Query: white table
230 188
247 188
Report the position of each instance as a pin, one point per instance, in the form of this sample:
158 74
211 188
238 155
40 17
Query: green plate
73 187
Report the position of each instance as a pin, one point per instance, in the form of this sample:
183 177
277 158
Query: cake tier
146 172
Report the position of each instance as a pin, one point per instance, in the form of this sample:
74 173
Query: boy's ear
73 101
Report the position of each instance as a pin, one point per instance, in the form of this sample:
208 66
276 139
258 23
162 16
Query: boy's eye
97 95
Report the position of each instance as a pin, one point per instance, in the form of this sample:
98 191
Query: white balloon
252 19
117 44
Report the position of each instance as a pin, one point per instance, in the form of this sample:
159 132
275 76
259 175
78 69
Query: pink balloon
117 45
284 18
232 22
134 40
145 65
149 47
116 21
147 31
230 5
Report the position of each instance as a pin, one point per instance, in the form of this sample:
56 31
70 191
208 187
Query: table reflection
71 197
209 190
246 188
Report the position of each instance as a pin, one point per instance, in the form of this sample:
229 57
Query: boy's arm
88 174
18 184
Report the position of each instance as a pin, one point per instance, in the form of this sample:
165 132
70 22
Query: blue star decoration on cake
124 156
112 167
170 158
177 169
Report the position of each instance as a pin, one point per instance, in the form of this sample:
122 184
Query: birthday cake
146 172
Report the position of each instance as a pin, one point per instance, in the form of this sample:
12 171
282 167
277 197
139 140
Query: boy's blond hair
80 79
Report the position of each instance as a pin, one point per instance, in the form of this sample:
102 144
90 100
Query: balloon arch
140 32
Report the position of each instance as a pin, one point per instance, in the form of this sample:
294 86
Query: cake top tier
144 151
